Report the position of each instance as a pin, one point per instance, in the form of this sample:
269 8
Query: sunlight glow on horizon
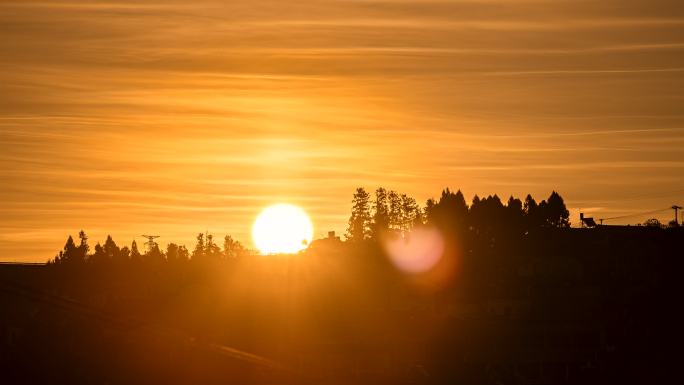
173 117
282 229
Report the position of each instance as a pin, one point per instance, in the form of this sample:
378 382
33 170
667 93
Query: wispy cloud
179 117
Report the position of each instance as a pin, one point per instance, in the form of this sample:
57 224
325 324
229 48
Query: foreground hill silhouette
514 295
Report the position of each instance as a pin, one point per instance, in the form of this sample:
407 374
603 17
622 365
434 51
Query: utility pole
675 208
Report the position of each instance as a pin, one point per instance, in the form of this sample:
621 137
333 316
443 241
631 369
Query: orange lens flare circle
418 252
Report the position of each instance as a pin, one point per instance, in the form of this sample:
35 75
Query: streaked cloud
179 117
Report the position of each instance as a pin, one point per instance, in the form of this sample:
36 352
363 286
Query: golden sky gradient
175 117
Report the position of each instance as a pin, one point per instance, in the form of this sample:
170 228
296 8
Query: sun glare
282 228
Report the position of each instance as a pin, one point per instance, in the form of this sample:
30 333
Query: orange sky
175 117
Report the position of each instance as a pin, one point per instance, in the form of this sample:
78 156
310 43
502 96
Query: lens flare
418 252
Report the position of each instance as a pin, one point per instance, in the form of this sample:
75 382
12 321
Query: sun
282 228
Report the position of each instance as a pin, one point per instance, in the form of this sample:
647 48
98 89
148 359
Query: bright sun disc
282 228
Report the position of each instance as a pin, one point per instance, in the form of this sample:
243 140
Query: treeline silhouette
110 253
515 297
386 213
391 212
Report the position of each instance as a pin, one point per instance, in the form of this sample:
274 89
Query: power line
636 214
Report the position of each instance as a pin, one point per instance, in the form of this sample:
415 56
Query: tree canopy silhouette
390 212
